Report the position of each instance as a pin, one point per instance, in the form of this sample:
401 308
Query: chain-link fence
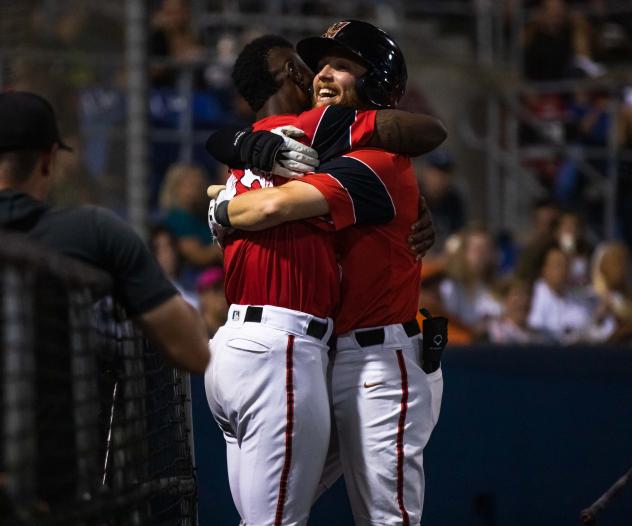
95 426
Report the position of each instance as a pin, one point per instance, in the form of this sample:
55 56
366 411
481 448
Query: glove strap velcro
221 214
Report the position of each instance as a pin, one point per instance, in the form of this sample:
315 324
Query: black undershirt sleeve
223 146
371 201
332 137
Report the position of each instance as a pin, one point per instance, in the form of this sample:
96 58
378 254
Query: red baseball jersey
292 265
375 194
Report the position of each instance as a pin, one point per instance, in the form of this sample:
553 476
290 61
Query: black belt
315 329
376 336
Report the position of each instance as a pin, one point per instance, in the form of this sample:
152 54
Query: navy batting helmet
385 81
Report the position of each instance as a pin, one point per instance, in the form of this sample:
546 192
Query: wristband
221 214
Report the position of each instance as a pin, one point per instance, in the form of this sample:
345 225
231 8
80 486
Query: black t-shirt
95 236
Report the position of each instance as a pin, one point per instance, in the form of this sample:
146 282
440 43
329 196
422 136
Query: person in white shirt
467 292
513 326
566 314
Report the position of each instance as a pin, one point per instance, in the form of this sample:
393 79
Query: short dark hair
251 73
21 163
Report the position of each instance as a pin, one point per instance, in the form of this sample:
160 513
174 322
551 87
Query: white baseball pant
385 408
266 387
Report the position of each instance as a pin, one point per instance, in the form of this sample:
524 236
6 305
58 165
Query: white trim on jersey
355 219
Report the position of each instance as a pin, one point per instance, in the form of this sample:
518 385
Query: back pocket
243 344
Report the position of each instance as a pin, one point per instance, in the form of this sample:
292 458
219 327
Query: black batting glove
258 149
242 148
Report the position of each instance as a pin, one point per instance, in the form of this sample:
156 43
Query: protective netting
95 427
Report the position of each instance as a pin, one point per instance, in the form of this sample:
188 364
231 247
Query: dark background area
526 436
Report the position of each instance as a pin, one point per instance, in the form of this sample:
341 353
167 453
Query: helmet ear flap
371 91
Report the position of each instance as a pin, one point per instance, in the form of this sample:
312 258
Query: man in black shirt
29 143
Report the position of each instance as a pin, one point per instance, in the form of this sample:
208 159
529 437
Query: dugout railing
96 427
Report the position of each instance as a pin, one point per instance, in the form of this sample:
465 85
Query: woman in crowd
184 205
557 308
471 271
163 246
571 238
513 326
611 284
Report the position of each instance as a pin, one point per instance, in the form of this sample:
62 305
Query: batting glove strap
221 214
218 217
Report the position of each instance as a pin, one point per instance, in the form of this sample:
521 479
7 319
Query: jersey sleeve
335 130
139 282
354 191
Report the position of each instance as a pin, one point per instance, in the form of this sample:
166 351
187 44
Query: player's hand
213 191
422 235
293 158
218 194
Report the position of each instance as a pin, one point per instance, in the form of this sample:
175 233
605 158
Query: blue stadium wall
526 436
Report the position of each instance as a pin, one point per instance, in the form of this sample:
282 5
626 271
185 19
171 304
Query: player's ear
47 159
290 69
294 73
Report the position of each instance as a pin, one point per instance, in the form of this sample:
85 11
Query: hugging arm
406 133
347 190
334 131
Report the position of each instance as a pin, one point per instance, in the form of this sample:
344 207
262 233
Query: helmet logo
334 29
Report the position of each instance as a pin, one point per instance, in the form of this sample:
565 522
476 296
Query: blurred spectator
163 245
556 309
513 326
471 270
210 289
443 199
610 32
571 238
589 122
432 274
173 38
184 205
612 285
545 215
557 44
217 74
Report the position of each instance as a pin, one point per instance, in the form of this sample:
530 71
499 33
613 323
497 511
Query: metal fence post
612 178
137 129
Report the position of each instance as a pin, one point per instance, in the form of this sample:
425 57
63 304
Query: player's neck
277 105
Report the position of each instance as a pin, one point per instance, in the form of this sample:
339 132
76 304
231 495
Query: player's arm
338 129
406 133
171 324
268 207
270 151
334 131
177 329
350 192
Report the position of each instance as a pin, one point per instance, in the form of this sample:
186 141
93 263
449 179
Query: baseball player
385 405
267 383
